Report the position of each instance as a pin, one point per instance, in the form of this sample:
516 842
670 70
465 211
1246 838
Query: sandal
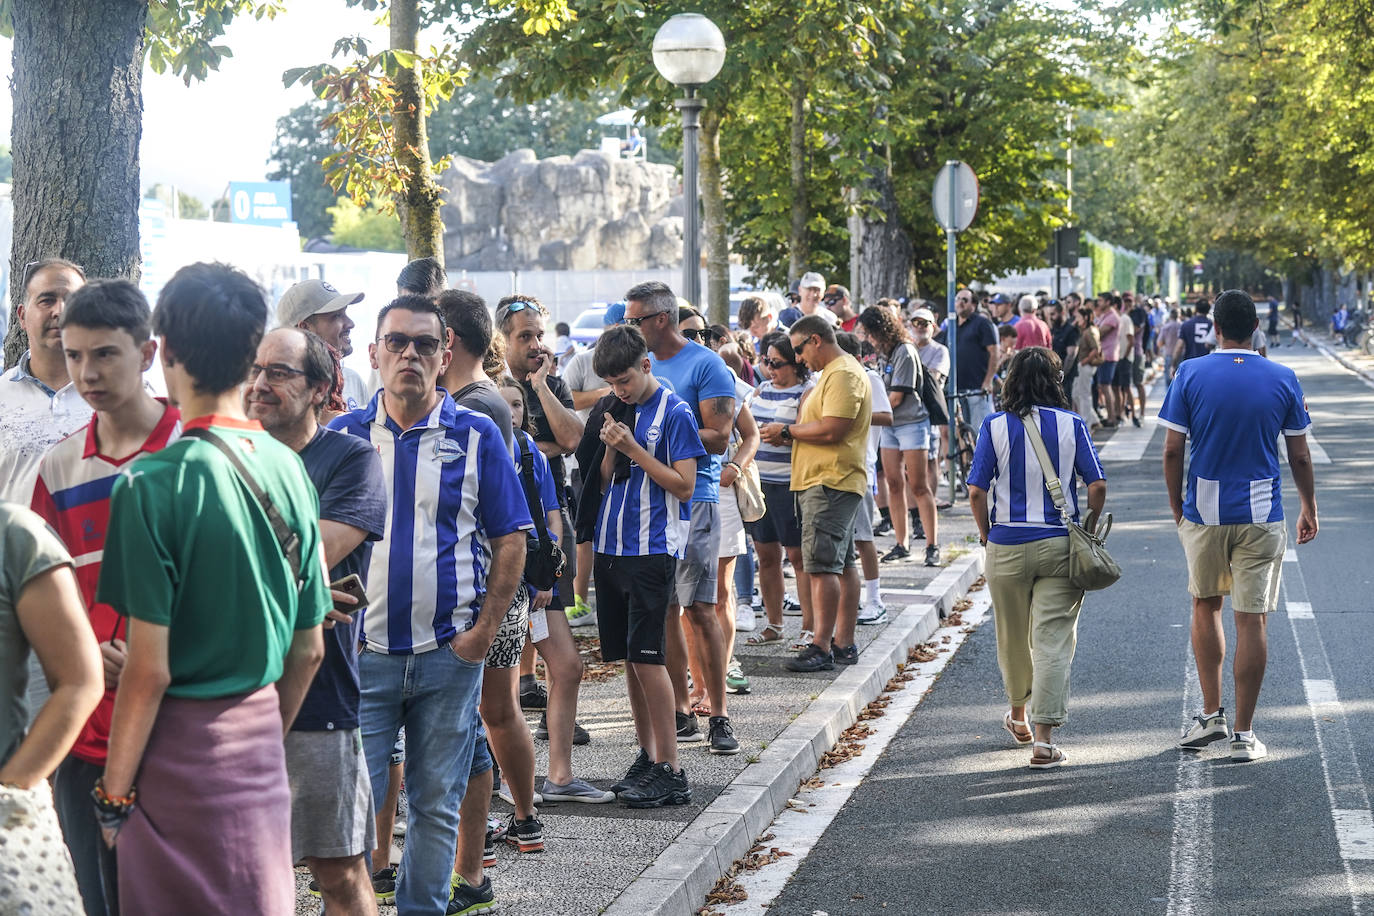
1049 761
702 708
771 633
1009 724
805 639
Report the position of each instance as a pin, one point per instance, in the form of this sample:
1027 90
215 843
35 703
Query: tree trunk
716 231
885 256
421 224
78 116
799 247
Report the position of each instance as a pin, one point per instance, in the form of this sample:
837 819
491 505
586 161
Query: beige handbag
749 493
1090 566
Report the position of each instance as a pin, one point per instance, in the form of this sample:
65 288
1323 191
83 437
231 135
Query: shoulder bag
749 493
544 560
1090 566
287 540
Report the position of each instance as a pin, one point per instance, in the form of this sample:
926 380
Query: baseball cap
926 314
999 299
311 297
614 314
810 280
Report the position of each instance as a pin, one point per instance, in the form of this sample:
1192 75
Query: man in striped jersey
641 532
106 339
439 584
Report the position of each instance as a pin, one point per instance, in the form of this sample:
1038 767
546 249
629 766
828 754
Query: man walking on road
829 475
1233 404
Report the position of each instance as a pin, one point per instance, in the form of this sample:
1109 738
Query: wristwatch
787 432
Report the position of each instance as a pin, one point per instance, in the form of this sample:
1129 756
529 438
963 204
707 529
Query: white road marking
1190 852
1290 555
1345 789
1319 455
798 830
1301 610
1129 443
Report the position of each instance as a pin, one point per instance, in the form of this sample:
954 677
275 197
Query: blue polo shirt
697 374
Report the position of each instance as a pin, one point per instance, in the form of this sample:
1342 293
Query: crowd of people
262 604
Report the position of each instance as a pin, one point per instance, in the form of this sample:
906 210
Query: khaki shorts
827 520
1243 561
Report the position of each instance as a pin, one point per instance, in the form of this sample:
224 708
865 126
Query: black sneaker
526 835
722 736
812 658
634 774
933 555
580 735
1136 421
687 731
898 552
535 697
466 900
918 531
845 656
660 787
884 526
489 849
384 884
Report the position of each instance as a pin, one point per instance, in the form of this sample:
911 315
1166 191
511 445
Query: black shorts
1124 369
779 523
632 598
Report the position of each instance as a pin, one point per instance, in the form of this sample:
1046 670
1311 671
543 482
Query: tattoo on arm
723 407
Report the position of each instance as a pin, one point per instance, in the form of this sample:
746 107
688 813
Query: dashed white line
1299 610
1190 852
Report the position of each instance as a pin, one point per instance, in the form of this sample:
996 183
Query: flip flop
1008 722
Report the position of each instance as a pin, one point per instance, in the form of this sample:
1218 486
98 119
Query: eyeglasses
277 374
424 346
636 322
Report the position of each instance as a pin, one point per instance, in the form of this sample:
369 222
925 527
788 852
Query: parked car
587 326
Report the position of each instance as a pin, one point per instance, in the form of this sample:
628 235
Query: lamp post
689 51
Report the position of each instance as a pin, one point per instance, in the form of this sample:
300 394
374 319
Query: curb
677 883
1333 354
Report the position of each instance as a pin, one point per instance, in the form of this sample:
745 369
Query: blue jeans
976 408
435 696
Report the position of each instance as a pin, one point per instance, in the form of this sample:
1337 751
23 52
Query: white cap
811 279
311 297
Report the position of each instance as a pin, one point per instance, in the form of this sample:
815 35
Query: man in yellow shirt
829 476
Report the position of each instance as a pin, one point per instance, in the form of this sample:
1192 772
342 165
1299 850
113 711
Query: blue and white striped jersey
776 405
452 488
1232 405
1004 464
638 517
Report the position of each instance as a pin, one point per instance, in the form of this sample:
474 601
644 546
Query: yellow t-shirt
842 391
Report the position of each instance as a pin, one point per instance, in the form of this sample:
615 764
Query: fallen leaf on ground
726 891
978 584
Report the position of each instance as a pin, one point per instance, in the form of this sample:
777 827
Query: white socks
871 591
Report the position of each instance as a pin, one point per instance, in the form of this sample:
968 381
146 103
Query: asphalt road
951 821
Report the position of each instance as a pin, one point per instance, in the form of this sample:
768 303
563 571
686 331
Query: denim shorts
909 437
1106 372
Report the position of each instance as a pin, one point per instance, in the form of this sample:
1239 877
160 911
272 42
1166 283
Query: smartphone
350 585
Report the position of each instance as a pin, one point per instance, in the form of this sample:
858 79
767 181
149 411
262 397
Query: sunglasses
700 335
798 348
636 322
31 267
277 374
921 323
774 363
424 346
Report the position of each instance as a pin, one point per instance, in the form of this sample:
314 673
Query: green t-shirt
190 549
28 548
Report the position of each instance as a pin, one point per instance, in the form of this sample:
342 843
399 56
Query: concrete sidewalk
617 860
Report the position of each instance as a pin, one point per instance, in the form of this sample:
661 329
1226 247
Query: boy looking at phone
332 825
647 474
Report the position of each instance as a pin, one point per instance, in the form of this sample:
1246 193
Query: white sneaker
1204 730
505 796
1250 748
791 607
872 614
744 618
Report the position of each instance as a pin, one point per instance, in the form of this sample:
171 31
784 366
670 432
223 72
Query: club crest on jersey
447 450
652 436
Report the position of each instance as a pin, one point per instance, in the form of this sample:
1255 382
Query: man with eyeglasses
316 306
700 377
439 584
39 405
976 358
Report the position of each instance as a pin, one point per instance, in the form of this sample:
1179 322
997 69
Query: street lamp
689 51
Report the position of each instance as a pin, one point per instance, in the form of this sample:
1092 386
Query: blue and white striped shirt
638 517
776 405
1004 464
452 489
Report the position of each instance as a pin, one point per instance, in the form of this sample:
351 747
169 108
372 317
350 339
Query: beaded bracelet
114 804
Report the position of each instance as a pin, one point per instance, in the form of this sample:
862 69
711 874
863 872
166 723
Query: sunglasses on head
424 346
31 267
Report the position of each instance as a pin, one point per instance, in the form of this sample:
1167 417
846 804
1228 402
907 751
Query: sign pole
953 336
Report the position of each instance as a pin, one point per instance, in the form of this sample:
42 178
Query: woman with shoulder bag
1034 604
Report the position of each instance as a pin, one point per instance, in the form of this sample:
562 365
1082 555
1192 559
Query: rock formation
591 211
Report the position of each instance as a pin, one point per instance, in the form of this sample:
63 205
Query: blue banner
260 203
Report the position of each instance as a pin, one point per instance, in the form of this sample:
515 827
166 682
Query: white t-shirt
579 376
935 357
31 422
355 393
880 405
